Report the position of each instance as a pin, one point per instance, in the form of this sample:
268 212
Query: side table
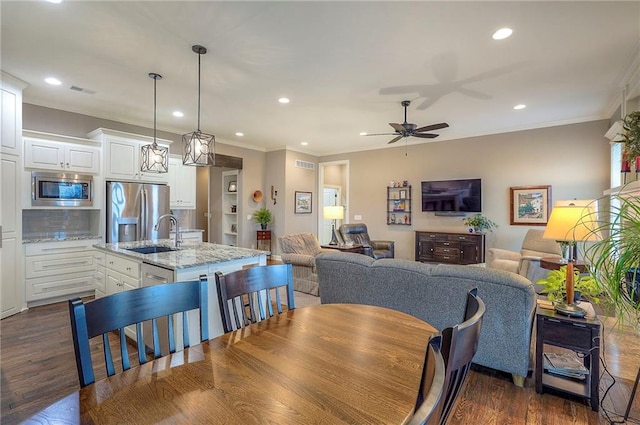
263 240
358 249
554 263
581 335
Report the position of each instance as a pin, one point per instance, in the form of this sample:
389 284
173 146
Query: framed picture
232 186
403 194
530 205
303 203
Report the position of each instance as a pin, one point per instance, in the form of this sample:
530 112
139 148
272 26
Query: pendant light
198 147
155 159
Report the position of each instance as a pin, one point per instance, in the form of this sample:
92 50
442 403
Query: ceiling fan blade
395 140
432 127
397 127
425 135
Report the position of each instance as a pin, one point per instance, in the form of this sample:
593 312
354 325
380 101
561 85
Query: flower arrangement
479 223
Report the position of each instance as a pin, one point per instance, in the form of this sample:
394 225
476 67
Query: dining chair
459 345
245 295
117 311
430 396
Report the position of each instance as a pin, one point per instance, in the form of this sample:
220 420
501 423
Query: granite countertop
188 255
58 239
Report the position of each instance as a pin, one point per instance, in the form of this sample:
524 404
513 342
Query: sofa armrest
383 245
299 259
502 254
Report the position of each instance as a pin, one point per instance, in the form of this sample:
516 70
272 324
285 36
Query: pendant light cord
198 129
155 81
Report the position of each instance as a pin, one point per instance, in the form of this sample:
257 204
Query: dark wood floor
38 367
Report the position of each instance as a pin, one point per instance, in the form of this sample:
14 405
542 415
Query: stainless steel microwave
61 190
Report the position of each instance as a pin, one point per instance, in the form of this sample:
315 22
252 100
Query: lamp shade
333 213
571 223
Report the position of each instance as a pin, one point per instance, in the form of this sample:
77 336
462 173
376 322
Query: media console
447 247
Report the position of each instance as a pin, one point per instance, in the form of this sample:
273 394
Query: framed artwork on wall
303 203
530 205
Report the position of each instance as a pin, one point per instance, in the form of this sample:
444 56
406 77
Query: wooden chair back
117 311
430 396
459 345
245 295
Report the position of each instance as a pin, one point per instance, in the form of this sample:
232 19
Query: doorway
333 184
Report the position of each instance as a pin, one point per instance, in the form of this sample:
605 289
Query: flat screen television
452 195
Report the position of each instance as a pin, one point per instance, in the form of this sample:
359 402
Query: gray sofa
437 295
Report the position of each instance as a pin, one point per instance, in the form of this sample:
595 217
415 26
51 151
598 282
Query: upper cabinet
182 181
44 151
122 158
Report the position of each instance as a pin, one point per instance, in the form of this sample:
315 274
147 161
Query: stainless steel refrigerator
133 209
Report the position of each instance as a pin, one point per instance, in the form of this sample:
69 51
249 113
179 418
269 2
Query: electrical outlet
357 217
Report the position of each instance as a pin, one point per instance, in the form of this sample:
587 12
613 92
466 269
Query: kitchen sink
154 249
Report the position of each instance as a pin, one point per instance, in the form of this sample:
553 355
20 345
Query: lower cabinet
56 271
451 248
121 274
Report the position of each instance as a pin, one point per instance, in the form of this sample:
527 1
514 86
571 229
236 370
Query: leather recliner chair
356 234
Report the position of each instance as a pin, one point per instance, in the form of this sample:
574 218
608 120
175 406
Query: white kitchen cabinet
57 271
122 156
100 273
182 181
59 156
12 293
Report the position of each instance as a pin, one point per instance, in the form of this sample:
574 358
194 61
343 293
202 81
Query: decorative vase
263 226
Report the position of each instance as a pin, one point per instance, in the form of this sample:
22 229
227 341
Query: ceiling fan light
155 159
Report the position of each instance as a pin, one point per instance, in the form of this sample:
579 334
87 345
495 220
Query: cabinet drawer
100 258
57 264
52 286
124 266
48 248
466 238
446 258
100 279
567 335
447 250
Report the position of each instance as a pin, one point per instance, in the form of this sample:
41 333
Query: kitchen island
118 268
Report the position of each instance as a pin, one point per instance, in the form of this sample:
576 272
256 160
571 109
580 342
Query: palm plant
615 258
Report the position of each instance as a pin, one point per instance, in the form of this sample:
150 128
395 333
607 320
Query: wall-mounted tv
452 195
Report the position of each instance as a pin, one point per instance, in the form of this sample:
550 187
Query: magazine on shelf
565 364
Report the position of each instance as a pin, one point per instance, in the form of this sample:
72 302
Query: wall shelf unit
399 205
230 208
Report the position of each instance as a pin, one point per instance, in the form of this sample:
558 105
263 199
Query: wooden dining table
323 364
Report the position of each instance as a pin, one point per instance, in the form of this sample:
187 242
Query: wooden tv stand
451 248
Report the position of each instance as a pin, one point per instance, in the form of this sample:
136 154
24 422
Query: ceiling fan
410 130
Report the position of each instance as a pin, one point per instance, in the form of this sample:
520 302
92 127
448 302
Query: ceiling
346 66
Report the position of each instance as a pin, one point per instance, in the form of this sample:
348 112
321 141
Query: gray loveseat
437 295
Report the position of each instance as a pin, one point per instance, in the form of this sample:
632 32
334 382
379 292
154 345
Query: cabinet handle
580 325
67 165
61 165
554 320
446 244
111 262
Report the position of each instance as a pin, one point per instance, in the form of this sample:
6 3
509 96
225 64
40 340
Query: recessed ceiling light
178 114
304 143
239 134
53 81
363 133
283 100
502 33
520 106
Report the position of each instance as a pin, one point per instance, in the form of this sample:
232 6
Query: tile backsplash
59 223
186 218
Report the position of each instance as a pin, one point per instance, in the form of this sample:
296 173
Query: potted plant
614 259
555 285
262 216
631 135
479 223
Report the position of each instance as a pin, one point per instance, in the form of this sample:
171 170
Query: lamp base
334 238
570 310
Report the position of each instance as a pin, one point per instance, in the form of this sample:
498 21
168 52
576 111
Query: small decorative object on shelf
399 203
232 187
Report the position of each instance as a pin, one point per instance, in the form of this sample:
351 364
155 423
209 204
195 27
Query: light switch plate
357 217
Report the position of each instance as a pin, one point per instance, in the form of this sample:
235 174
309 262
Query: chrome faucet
174 221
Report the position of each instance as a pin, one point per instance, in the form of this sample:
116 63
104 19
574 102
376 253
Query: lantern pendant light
155 159
198 147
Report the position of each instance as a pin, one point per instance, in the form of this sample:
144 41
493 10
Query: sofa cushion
299 243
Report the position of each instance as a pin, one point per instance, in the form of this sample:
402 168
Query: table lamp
333 213
569 224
